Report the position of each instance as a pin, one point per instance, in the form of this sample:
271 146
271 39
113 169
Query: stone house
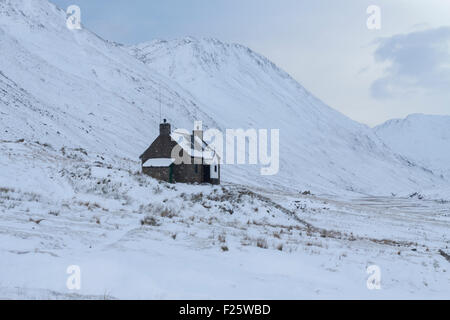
203 165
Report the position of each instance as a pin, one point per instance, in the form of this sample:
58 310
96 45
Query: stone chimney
198 129
197 146
164 128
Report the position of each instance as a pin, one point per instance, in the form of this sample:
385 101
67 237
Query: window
215 168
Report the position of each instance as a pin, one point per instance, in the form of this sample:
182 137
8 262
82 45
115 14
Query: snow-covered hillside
71 88
76 111
135 238
423 139
321 149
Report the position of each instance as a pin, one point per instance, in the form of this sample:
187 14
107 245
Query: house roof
158 163
194 147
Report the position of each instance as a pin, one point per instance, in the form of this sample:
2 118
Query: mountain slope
71 88
75 113
320 148
130 234
423 139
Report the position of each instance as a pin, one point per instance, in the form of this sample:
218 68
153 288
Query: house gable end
160 148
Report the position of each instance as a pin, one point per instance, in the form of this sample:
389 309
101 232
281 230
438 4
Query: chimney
197 147
198 129
164 128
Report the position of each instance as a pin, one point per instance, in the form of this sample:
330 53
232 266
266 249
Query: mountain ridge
72 88
422 138
222 75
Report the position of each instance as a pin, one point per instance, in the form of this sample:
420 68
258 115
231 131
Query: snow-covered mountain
321 148
71 88
423 139
67 87
76 111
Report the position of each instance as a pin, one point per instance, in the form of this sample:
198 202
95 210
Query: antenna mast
160 102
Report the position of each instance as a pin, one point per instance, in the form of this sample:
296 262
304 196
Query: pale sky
369 75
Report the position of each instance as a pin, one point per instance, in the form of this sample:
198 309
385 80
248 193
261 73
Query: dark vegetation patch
150 221
445 255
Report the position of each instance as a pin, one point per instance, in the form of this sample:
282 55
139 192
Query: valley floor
135 238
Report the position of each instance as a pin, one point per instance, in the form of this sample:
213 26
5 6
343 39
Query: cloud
418 62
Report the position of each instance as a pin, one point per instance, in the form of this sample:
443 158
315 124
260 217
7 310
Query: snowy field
135 238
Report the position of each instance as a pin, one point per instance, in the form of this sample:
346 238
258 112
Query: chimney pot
198 129
164 128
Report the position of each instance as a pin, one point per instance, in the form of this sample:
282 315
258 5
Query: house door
207 173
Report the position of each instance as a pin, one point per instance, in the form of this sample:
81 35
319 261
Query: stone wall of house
186 173
162 174
161 148
215 181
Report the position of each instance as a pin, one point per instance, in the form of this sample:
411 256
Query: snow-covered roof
158 163
195 148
